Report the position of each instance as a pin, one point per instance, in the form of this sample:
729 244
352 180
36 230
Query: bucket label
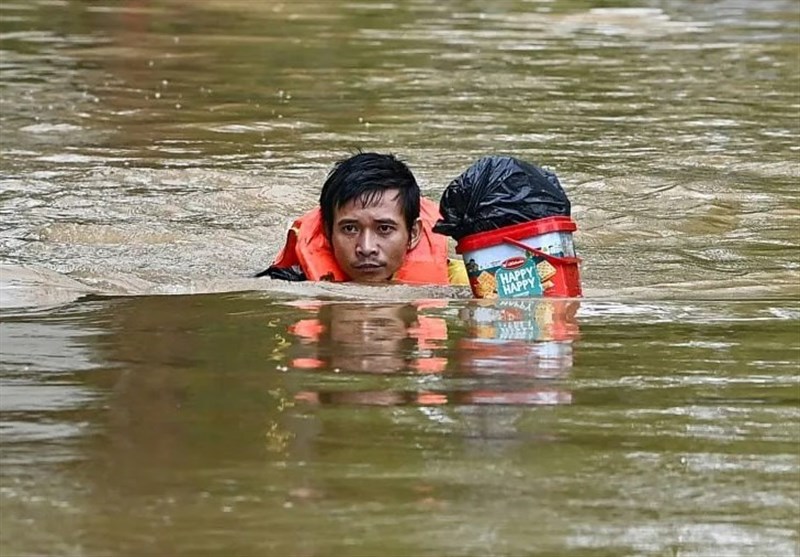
515 277
519 280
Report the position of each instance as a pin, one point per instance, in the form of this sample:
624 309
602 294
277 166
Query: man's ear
415 234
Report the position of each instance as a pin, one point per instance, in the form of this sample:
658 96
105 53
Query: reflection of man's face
370 240
367 339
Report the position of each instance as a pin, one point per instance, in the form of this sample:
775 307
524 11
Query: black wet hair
366 176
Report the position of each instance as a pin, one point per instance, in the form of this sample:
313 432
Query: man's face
370 242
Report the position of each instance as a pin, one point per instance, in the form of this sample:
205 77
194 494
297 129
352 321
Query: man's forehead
389 199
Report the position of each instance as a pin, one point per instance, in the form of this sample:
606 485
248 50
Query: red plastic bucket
523 260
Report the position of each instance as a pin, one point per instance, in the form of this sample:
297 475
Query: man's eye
386 229
349 228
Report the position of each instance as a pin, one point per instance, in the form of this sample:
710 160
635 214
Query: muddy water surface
155 400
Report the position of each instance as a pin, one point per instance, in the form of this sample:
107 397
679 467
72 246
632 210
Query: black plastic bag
499 191
293 274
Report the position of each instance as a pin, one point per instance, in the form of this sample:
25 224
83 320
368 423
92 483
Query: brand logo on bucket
514 262
519 281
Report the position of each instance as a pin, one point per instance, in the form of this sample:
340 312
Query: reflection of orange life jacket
307 246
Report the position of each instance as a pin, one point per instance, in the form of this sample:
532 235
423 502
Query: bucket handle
539 253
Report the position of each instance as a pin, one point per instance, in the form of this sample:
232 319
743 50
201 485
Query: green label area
519 282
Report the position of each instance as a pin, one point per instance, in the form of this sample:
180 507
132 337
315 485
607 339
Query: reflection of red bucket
493 260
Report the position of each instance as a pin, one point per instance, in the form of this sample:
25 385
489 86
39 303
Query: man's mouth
369 267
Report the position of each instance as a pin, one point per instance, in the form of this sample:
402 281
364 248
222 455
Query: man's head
370 212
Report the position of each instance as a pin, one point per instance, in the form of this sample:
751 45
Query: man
372 226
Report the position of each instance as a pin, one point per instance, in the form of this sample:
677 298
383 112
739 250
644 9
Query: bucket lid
517 231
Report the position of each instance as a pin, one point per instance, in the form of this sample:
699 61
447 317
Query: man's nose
367 244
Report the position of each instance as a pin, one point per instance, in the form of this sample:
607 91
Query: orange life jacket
307 246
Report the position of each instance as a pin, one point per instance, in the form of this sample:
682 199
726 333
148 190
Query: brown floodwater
157 400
